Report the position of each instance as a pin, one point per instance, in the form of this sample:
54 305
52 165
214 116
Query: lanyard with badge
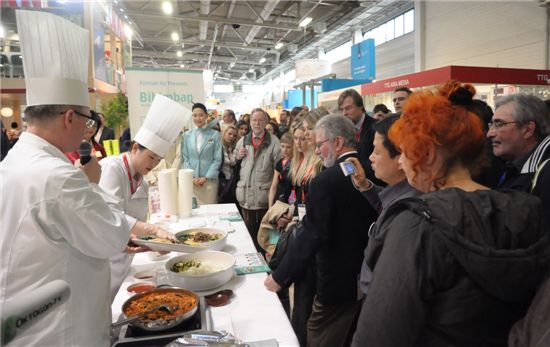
127 165
257 145
293 197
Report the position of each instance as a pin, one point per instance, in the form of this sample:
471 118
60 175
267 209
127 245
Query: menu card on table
250 263
231 217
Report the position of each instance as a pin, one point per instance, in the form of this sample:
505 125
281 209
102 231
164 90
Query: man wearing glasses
335 234
56 223
520 134
400 96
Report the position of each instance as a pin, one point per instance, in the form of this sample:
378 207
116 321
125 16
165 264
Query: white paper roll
185 192
168 188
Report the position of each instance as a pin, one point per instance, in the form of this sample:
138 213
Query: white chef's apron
120 264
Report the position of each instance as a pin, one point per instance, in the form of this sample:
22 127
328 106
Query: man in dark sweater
350 104
334 234
520 134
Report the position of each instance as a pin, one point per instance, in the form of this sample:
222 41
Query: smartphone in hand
347 168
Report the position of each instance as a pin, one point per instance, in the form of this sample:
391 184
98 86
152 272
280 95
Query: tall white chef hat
162 125
55 59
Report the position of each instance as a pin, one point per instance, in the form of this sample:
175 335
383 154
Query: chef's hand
132 248
163 234
271 285
92 169
359 178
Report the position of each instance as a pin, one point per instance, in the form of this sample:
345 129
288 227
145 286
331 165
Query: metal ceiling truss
233 35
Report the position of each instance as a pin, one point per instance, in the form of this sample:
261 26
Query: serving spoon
144 314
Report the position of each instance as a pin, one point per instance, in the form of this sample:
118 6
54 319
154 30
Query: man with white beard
334 233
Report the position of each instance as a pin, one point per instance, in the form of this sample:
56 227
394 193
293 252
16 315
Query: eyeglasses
90 122
401 98
320 143
499 124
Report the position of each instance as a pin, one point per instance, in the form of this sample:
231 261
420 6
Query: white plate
217 245
160 247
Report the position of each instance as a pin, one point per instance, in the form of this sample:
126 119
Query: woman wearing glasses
91 130
459 265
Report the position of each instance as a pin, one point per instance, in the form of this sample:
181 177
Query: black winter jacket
453 268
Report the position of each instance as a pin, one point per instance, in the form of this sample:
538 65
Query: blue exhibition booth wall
296 98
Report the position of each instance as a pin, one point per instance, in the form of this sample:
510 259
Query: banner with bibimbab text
183 86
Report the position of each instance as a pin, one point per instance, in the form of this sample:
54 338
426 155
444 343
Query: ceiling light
262 60
175 36
6 112
125 16
251 70
128 31
279 45
305 22
182 45
2 32
121 10
167 7
179 54
182 66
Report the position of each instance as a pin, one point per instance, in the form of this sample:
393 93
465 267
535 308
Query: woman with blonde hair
229 158
310 119
304 167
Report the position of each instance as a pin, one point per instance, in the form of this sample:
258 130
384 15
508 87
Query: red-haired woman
460 265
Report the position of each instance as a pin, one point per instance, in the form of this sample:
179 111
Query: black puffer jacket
453 269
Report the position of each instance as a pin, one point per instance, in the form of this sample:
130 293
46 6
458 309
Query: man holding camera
334 234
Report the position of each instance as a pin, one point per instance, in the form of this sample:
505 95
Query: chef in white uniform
123 175
54 222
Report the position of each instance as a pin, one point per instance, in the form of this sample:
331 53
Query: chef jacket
55 224
115 181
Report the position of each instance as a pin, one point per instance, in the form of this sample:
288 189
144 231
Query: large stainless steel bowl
160 325
224 262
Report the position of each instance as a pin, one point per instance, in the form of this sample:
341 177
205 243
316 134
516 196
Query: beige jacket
257 171
269 225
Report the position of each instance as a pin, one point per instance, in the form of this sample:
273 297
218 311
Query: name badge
301 211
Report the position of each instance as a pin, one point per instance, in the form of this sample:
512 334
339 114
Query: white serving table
254 313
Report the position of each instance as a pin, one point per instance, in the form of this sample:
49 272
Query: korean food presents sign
184 87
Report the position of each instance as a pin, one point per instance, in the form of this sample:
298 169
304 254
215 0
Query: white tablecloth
254 313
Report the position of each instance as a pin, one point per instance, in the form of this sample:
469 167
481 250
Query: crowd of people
437 236
426 230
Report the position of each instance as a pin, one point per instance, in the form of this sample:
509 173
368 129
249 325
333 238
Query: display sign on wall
98 20
185 87
363 64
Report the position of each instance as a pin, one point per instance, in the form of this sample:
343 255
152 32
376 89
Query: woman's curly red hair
438 119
